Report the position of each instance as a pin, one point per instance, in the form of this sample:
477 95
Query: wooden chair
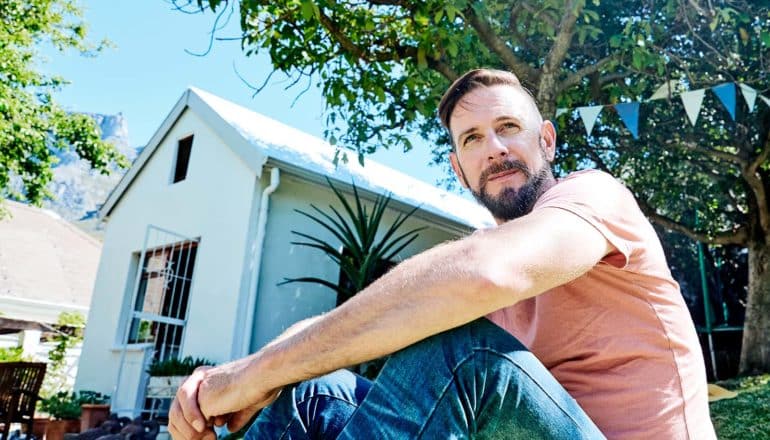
19 386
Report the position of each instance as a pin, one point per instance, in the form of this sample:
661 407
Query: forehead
486 104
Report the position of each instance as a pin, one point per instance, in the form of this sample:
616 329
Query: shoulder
592 187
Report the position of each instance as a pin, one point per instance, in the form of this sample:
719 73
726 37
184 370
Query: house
198 237
47 267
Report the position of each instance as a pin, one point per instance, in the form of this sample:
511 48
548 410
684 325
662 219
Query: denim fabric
475 381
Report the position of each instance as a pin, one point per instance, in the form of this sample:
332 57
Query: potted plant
166 376
64 409
95 409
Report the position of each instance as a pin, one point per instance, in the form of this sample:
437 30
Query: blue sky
148 70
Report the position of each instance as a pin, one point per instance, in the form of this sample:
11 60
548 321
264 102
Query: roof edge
125 182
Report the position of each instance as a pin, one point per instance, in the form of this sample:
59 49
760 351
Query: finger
182 428
239 419
187 396
221 420
173 432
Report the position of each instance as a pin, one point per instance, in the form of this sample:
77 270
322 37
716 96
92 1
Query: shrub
177 367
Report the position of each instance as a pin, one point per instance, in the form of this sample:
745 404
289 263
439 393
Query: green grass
747 416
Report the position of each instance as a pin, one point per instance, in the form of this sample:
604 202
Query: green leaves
32 126
367 250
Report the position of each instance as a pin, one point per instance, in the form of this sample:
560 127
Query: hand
226 396
185 420
218 396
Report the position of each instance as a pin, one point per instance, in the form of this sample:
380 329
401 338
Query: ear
456 168
548 136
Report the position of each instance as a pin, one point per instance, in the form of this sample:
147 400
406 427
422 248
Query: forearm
425 295
293 329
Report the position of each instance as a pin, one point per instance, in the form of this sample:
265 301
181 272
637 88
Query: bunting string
692 101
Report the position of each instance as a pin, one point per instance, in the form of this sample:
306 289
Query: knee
454 345
341 384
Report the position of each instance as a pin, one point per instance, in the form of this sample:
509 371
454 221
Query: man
573 270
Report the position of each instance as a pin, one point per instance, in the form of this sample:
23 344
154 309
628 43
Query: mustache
500 167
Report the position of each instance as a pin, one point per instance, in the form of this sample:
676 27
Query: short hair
473 80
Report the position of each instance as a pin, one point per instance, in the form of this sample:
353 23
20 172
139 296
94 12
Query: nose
495 147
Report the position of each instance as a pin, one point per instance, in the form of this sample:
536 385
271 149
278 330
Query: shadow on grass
747 416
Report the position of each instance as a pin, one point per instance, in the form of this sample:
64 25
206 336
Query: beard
513 203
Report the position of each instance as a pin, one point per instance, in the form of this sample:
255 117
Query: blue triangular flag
726 93
629 113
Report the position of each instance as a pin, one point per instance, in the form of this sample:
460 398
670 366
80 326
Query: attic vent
182 158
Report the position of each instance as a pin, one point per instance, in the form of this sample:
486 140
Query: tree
383 64
33 127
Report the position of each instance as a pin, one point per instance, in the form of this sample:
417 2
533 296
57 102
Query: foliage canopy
33 127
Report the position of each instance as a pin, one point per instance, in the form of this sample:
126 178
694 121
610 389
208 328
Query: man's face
503 149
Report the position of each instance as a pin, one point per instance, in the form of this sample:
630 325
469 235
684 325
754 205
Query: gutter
253 292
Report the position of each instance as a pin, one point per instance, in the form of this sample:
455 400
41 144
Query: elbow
493 282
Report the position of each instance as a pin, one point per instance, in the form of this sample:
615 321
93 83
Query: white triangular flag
750 95
667 90
767 101
692 102
560 111
589 115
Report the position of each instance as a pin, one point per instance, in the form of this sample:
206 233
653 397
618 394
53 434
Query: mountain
80 191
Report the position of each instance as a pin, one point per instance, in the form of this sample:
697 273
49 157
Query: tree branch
487 34
563 39
762 157
574 78
714 154
341 38
737 236
754 180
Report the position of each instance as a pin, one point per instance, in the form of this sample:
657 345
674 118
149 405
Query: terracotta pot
93 415
57 428
38 427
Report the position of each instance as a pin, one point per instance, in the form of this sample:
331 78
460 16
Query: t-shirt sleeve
605 204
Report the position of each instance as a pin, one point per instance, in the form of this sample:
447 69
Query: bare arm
437 290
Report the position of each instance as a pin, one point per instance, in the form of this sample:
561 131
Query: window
160 308
182 158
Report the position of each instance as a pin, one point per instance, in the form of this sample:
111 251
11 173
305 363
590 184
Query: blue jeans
474 381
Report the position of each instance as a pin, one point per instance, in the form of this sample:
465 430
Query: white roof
47 265
282 144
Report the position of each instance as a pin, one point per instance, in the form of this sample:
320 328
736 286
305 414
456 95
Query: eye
509 127
470 139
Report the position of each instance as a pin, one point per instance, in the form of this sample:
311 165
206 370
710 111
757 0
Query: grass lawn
747 416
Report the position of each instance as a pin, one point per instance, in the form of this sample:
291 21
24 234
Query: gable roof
259 140
47 265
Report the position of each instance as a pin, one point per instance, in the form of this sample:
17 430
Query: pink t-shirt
619 338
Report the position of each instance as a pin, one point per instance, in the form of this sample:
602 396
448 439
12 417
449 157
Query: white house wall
213 203
280 306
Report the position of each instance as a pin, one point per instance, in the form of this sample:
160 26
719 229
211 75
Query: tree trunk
546 95
755 351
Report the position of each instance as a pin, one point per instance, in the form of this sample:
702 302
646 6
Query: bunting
629 113
726 93
589 115
750 95
692 102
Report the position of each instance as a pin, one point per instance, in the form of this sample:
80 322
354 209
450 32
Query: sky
151 65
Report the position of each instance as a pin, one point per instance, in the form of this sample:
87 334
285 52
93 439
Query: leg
475 381
314 409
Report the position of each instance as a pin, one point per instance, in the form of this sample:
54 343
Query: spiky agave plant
363 257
